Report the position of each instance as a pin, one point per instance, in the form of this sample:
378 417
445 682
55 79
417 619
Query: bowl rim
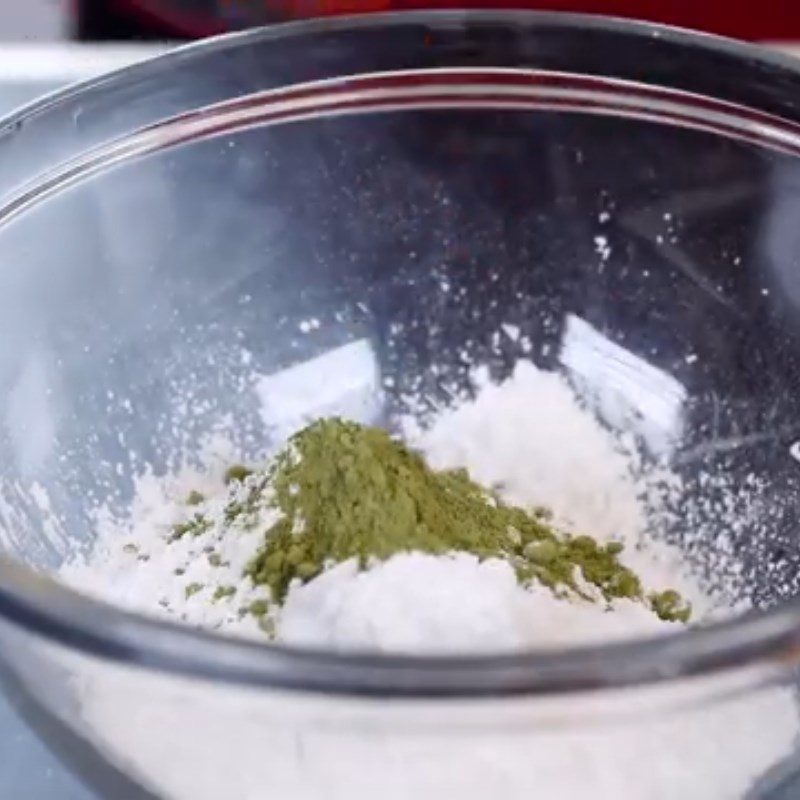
768 640
674 34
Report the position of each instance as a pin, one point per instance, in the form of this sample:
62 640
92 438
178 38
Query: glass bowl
414 183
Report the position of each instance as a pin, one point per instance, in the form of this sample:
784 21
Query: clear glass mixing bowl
416 183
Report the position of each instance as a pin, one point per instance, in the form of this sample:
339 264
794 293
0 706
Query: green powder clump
237 472
349 491
221 592
194 498
669 605
258 608
195 526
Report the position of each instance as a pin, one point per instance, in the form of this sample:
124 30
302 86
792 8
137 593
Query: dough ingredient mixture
312 550
347 533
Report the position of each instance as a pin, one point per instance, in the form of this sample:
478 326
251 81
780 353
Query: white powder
531 440
448 604
134 563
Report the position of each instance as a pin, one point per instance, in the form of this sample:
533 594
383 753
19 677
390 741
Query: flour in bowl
534 444
179 555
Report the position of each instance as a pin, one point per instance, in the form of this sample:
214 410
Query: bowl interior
391 237
148 288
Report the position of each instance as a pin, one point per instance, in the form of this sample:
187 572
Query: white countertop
66 62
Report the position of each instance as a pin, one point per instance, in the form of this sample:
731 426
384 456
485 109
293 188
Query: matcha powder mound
431 536
348 491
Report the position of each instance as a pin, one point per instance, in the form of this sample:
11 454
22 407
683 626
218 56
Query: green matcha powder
349 491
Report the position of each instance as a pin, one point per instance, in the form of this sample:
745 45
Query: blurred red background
775 20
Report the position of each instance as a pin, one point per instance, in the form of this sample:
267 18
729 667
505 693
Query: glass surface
157 223
26 765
